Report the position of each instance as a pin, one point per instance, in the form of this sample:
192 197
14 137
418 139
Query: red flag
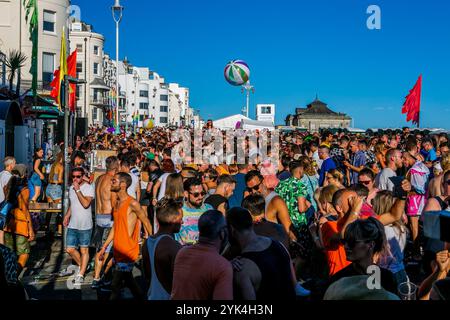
72 72
412 103
55 86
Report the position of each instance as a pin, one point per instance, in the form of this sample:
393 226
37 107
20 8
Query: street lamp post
247 87
117 12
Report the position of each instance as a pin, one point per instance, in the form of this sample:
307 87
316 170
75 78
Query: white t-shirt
5 176
132 190
317 159
162 188
382 180
81 218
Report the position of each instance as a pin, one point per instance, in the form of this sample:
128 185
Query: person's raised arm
440 271
355 209
85 200
398 209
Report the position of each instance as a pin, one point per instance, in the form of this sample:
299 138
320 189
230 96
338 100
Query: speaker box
81 127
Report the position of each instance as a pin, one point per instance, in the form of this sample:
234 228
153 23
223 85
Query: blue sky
295 49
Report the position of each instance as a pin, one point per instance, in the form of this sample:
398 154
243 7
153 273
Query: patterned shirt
290 190
189 230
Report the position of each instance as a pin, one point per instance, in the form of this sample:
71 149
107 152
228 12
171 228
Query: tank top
126 248
156 290
274 264
269 198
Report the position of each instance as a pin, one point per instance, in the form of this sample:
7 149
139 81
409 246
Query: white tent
256 125
229 122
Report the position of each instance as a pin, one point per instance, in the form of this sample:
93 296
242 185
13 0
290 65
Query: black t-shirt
272 230
387 278
215 200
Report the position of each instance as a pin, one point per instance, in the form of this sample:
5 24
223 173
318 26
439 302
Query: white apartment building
149 95
178 104
14 34
92 97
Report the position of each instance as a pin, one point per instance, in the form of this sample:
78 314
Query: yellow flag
62 64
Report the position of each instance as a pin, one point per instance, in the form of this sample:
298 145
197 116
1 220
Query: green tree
14 62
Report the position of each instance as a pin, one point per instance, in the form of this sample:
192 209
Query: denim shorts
54 191
78 238
36 180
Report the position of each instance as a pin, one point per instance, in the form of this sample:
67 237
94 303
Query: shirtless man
103 210
125 232
276 209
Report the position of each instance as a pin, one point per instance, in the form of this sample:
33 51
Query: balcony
100 101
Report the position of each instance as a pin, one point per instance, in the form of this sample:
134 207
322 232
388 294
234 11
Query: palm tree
15 61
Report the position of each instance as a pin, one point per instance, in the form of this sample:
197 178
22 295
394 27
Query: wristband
79 190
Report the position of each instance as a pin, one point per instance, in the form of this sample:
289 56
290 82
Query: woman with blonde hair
174 187
380 154
334 177
310 180
396 234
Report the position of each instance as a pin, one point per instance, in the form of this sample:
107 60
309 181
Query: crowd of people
334 210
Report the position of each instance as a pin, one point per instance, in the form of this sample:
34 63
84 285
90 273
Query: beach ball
148 123
237 72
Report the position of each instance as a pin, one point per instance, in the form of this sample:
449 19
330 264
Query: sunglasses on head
197 194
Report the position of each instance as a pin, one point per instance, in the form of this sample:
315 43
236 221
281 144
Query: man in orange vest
128 215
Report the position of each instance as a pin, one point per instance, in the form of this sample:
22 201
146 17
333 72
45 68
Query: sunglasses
198 194
366 183
77 177
255 188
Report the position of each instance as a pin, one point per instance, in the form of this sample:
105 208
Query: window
96 50
94 114
266 110
164 97
163 108
48 66
163 119
79 68
78 90
143 94
79 48
143 106
141 117
96 71
49 21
